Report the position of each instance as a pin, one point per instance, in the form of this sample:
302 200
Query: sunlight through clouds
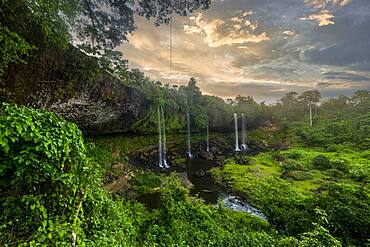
261 48
217 32
324 18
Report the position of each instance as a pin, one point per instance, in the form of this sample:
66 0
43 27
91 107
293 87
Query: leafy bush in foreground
43 175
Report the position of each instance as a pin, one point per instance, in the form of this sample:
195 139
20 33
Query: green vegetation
288 186
51 195
12 48
309 194
53 187
44 176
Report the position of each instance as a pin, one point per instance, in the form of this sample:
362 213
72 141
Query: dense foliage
99 26
43 176
290 186
12 49
203 109
52 196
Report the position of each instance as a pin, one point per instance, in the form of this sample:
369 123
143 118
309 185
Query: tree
40 22
310 98
195 103
290 106
289 99
99 24
106 23
336 106
27 25
248 106
12 49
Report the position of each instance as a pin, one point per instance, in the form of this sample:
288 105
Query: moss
179 161
146 182
300 175
295 166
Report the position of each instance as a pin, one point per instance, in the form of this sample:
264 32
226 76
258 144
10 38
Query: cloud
192 29
344 44
260 90
289 33
324 18
319 4
215 47
347 76
217 32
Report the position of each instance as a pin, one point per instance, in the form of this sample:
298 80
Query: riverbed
205 187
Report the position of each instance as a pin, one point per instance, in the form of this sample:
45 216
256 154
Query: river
204 186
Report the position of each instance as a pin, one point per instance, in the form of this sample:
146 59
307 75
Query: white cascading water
236 132
160 157
189 137
164 148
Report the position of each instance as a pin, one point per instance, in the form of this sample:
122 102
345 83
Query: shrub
290 165
321 162
39 152
340 165
278 156
43 174
348 210
294 155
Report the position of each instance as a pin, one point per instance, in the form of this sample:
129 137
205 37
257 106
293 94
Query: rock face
72 84
111 107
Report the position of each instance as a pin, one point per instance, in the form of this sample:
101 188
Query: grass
296 166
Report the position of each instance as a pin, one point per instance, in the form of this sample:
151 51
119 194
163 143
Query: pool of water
205 187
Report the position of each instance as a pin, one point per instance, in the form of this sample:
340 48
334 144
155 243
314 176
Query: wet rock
120 185
200 173
97 102
206 155
110 107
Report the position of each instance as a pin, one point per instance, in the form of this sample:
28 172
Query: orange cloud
320 4
218 32
324 18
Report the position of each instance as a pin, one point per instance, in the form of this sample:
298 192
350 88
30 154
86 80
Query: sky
260 48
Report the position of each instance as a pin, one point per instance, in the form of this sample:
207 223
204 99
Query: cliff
71 84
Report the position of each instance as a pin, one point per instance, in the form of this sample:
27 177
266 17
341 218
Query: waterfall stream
236 132
164 148
189 137
160 153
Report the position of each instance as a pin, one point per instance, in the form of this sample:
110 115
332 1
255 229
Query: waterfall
164 149
189 137
244 145
311 116
160 157
236 132
208 136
